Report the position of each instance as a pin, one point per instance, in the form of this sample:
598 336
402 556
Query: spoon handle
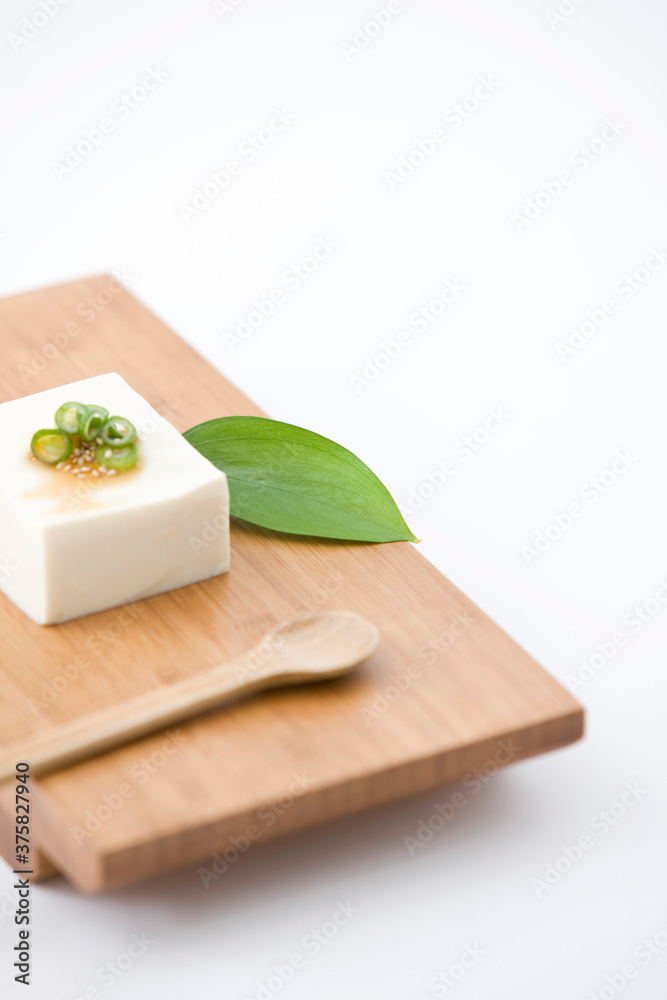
129 720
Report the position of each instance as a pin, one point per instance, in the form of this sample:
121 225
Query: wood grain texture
280 762
314 647
40 865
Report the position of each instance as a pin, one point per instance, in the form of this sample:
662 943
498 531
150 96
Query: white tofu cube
70 546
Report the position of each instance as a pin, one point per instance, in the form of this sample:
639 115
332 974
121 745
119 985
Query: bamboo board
445 688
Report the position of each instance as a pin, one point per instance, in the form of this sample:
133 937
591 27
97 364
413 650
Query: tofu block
70 546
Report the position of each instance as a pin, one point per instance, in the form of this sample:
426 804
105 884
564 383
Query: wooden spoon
310 648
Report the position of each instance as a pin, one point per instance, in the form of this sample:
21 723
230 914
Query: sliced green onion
51 446
117 432
91 421
67 417
121 459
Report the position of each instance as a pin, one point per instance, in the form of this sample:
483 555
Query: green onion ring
67 417
117 432
91 422
51 446
121 460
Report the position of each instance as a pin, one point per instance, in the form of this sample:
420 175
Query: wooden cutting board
446 692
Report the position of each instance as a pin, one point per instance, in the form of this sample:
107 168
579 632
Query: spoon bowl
330 643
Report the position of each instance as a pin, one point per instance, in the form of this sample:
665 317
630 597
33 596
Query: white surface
75 547
389 254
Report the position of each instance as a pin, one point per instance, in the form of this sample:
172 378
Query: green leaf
290 479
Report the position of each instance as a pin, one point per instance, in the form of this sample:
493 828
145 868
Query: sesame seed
60 465
96 473
84 468
108 453
67 468
77 451
99 441
111 472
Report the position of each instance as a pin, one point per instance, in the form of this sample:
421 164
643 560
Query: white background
355 113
